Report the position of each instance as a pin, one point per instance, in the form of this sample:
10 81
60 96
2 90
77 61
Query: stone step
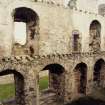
47 91
51 103
47 102
9 102
48 96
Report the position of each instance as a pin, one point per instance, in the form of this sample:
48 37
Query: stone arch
19 86
76 40
95 36
99 72
80 76
31 18
56 79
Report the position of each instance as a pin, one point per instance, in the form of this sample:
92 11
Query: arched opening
56 80
26 30
99 75
18 99
95 36
80 75
76 41
7 89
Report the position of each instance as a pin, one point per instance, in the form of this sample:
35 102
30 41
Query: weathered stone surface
50 46
66 88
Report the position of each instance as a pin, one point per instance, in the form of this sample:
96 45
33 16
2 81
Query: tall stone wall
56 25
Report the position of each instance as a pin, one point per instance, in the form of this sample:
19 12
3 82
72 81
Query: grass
7 91
43 83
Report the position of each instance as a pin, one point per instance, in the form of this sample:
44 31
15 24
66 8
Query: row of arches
56 83
57 75
80 73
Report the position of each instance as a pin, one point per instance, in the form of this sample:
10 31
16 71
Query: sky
20 32
101 1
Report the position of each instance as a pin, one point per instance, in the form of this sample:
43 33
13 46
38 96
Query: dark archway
56 79
80 74
95 36
31 18
19 86
99 72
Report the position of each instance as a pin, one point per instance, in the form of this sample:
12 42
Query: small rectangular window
75 42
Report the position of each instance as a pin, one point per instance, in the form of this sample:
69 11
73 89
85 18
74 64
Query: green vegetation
43 83
7 91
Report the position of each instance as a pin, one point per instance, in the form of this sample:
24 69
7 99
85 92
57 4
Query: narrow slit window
76 38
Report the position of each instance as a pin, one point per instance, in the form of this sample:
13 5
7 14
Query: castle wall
5 33
55 27
54 33
88 5
81 22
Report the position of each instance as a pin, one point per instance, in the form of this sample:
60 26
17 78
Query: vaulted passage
56 80
19 87
26 22
95 36
99 72
80 75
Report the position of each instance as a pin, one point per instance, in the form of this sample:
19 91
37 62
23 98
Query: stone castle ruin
65 37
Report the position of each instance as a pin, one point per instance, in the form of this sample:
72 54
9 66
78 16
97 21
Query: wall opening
20 33
76 41
99 74
95 36
26 22
55 80
7 87
80 74
44 80
18 85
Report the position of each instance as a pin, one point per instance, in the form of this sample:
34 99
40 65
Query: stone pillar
68 93
89 86
31 89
